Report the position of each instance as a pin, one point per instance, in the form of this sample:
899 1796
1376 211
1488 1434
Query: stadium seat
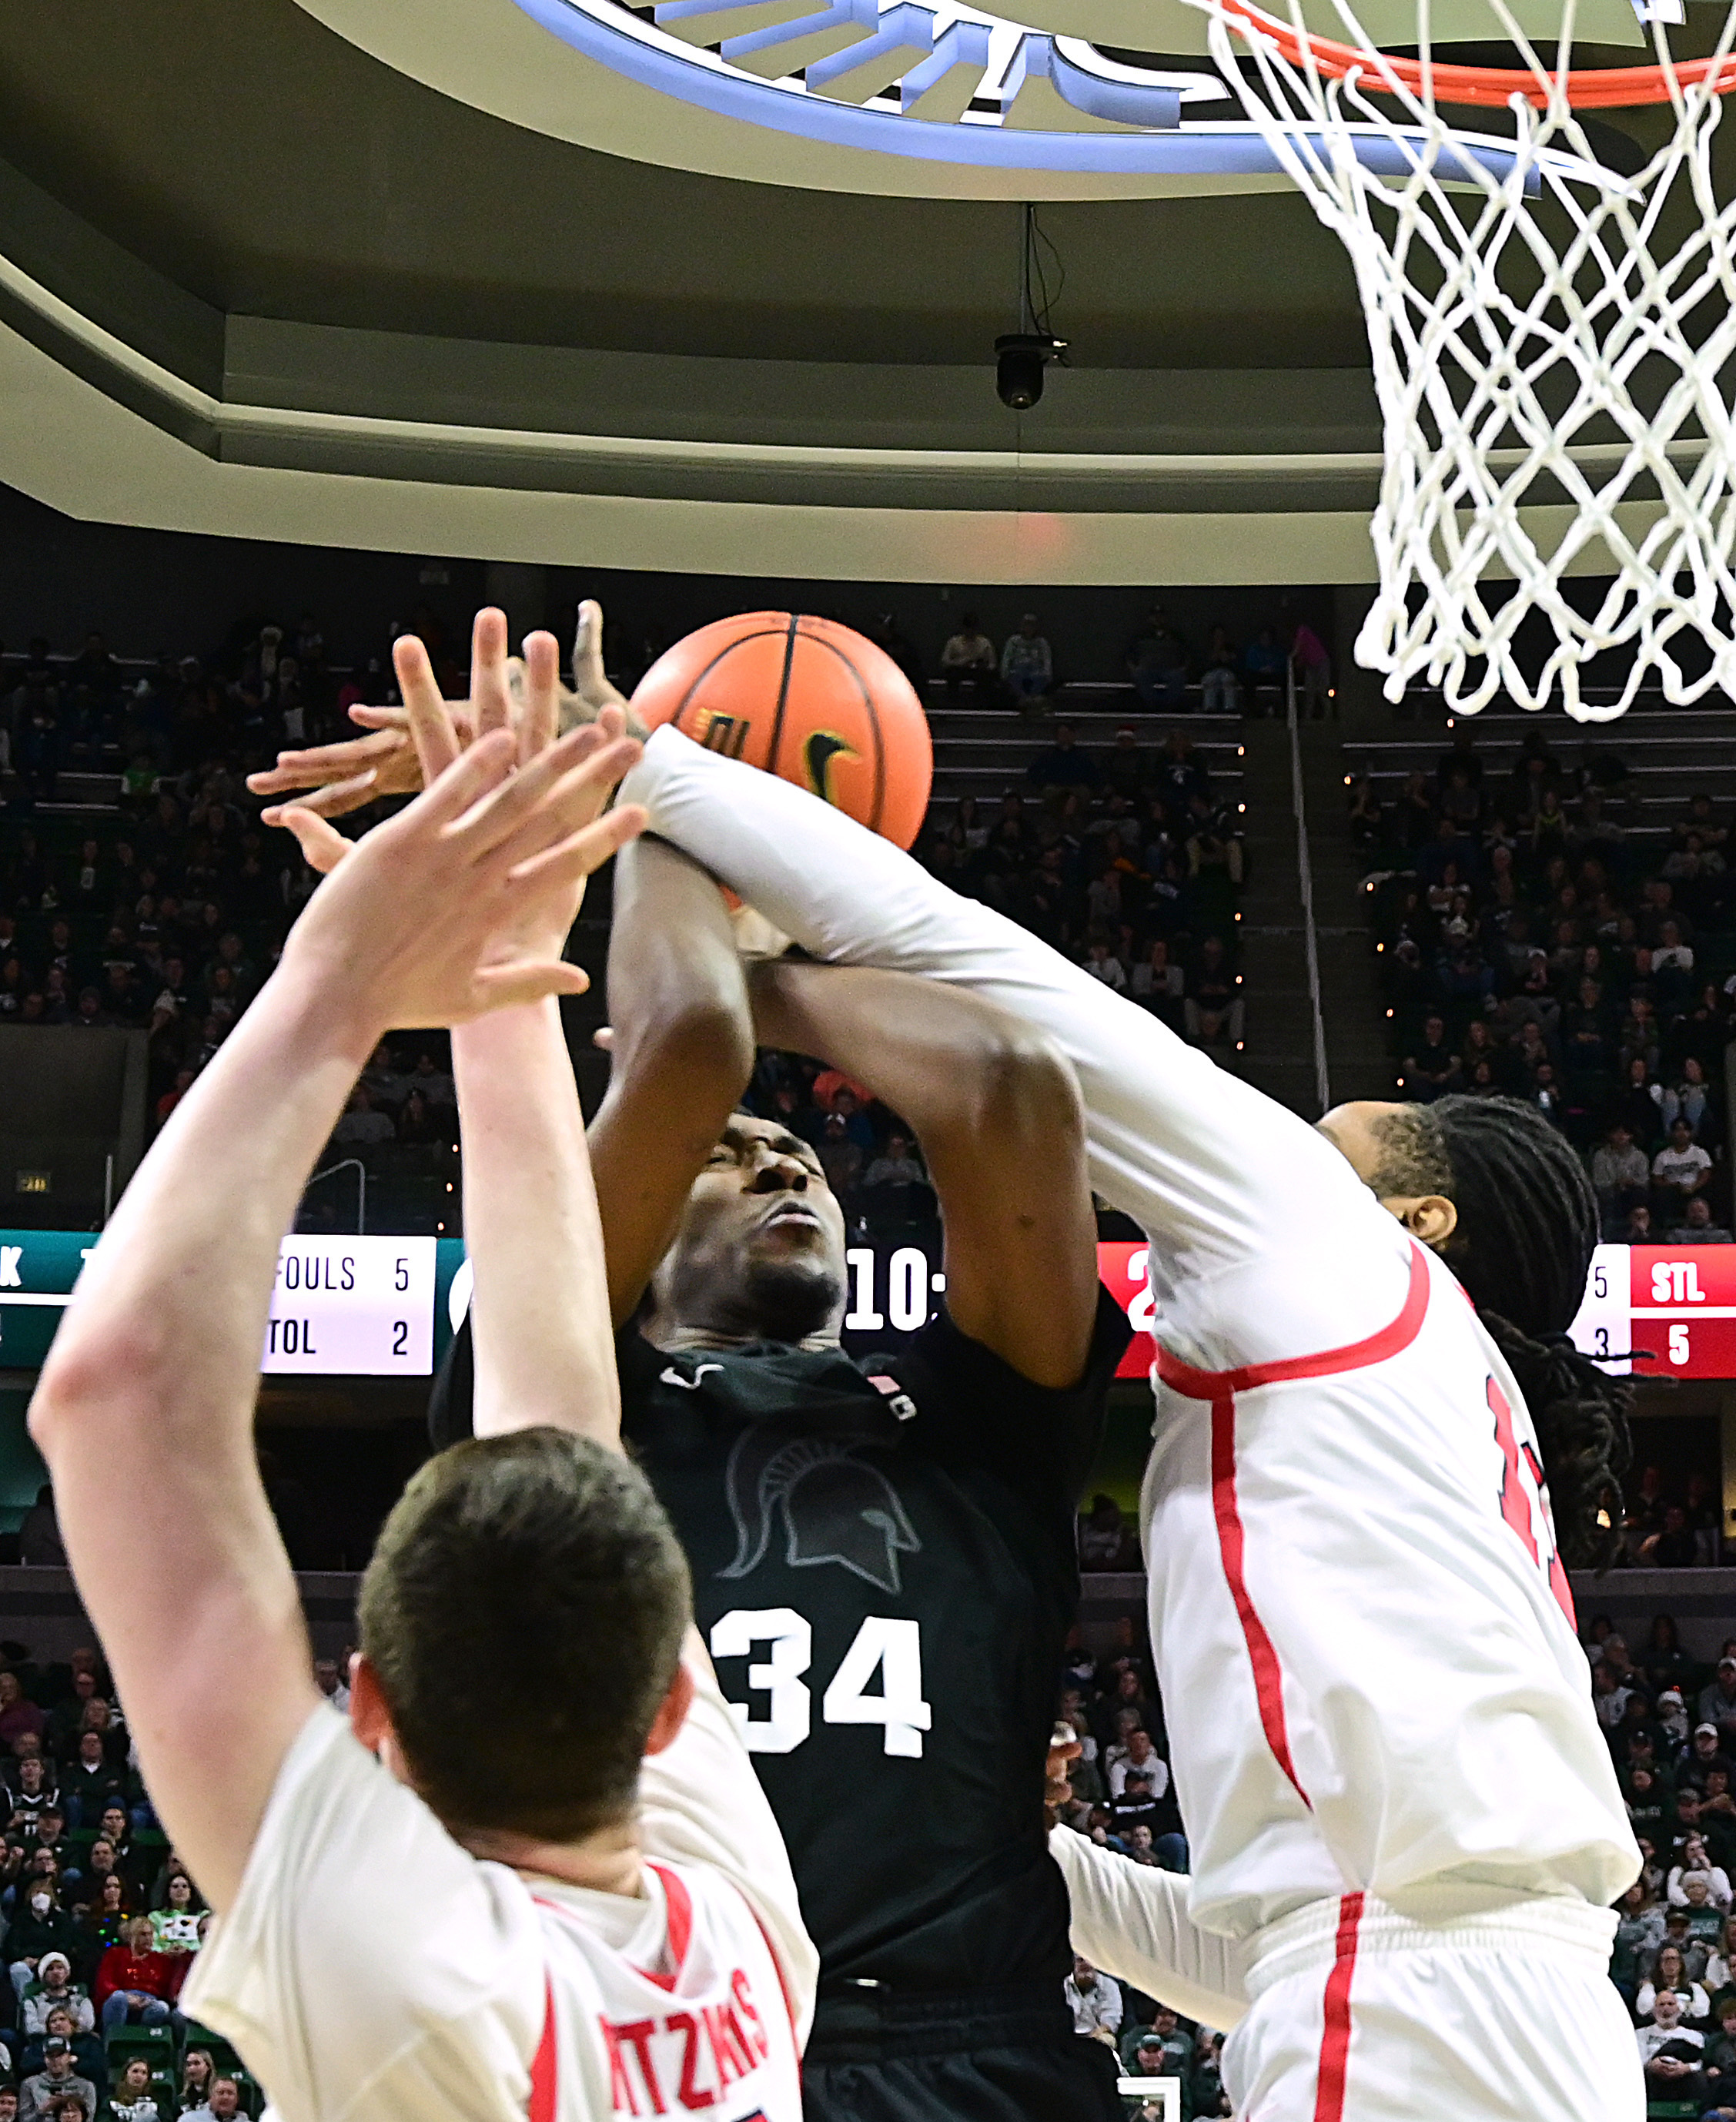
153 2043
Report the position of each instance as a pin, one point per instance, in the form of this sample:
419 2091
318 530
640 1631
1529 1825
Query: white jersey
371 1966
1360 1622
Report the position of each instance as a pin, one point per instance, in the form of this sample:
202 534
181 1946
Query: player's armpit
996 1110
682 1051
1132 1920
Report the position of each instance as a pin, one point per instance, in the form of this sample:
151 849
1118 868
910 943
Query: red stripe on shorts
1335 2034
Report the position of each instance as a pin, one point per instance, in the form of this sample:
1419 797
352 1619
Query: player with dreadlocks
1399 1801
1525 1221
1399 1804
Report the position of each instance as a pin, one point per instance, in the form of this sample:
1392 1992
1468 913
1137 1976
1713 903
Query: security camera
1020 360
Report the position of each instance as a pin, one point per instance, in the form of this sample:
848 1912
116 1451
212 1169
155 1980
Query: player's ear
370 1718
671 1712
1430 1218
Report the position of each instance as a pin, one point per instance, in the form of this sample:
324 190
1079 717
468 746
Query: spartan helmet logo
835 1508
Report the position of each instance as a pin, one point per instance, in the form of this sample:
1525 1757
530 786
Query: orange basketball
806 699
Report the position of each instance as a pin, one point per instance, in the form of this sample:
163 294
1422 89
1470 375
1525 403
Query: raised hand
529 714
345 777
409 921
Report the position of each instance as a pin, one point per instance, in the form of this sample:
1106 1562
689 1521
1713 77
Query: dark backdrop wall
153 590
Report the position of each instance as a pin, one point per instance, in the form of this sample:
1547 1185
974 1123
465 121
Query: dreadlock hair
1528 1222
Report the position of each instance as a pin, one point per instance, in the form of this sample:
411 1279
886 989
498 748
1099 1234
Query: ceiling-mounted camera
1020 358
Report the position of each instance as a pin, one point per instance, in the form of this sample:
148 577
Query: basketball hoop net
1548 338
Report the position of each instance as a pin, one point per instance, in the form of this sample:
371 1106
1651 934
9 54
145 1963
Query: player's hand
531 718
345 777
1057 1791
403 926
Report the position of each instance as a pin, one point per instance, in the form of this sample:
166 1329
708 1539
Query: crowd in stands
1131 863
1538 939
167 913
1167 673
1122 1798
1670 1719
102 1920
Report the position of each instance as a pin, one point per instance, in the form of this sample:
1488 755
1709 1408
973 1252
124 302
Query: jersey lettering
707 2049
1521 1497
891 1648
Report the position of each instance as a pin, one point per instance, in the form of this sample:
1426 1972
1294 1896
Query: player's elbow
1021 1088
703 1040
92 1374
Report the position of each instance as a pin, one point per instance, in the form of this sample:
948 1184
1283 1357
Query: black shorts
1008 2056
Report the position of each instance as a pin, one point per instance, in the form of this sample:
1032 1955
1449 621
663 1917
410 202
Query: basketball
808 700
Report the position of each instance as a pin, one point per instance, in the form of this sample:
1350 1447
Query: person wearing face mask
39 1925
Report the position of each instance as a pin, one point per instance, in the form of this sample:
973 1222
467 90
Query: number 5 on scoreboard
1678 1348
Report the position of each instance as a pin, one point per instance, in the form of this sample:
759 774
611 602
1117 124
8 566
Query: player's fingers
499 987
589 680
561 788
473 775
539 716
429 722
323 846
334 800
379 718
323 762
582 851
491 694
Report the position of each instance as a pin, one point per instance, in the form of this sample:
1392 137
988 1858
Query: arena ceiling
360 273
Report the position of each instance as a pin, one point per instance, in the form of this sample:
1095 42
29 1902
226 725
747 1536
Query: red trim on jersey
544 2076
1221 1388
1268 1677
783 1983
678 1905
1390 1341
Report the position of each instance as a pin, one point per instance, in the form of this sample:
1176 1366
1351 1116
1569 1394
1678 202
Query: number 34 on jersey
781 1642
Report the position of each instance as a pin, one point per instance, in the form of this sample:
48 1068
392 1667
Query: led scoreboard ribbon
1679 1307
387 1306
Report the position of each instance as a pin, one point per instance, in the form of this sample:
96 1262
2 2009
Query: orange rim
1587 88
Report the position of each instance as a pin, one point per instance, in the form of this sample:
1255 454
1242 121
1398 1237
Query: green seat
150 1838
124 2042
1671 2111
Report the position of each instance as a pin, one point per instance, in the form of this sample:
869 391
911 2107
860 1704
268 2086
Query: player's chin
796 1292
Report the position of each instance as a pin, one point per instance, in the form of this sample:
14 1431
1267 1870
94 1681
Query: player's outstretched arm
683 1054
996 1109
544 1342
1132 1920
1203 1161
144 1411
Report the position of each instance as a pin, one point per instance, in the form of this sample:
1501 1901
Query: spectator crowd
1166 674
1538 939
101 1919
1121 1797
1670 1720
1131 863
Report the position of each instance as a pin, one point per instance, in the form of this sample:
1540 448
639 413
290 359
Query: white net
1549 341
